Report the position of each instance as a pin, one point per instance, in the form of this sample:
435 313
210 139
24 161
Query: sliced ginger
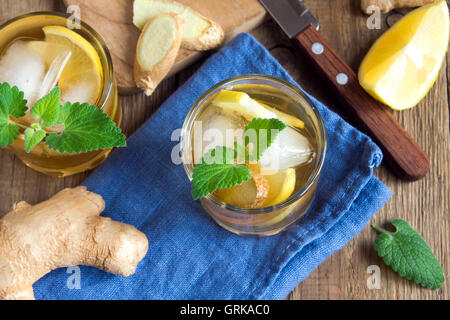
200 33
249 194
157 49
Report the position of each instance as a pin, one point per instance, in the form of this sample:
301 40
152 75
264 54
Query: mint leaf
33 136
8 133
409 255
209 176
11 102
86 128
261 133
47 108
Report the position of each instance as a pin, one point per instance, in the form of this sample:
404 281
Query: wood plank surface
425 203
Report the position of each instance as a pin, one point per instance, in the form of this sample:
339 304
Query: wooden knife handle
401 152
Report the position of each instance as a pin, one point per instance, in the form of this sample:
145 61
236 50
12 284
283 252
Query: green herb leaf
8 133
209 176
409 255
12 102
86 128
261 133
47 108
33 136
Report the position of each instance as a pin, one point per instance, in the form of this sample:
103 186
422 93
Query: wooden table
425 204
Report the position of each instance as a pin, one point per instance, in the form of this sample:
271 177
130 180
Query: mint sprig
220 167
409 255
86 128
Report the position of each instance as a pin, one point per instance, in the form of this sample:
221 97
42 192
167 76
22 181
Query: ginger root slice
388 5
157 49
262 186
199 34
63 231
256 189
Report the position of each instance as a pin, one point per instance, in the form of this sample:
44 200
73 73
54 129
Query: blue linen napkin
190 257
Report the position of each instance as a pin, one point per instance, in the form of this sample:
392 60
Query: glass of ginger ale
285 178
41 50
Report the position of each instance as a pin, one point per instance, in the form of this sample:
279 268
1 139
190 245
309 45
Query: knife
401 152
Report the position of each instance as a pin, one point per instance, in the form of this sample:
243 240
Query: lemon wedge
241 103
286 118
403 64
281 186
84 66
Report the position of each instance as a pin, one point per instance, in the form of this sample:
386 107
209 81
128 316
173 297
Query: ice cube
216 129
23 68
82 90
289 150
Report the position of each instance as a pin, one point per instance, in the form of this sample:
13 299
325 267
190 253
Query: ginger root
157 50
200 33
63 231
388 5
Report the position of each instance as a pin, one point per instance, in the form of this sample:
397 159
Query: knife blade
401 153
293 20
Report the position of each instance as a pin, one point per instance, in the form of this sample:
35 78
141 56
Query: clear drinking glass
286 98
41 158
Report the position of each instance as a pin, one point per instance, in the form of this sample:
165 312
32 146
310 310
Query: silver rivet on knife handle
317 48
342 79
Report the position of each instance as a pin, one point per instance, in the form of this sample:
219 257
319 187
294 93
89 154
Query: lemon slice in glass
281 186
84 67
404 62
241 103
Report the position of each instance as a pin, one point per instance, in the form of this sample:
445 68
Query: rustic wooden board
425 204
114 21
